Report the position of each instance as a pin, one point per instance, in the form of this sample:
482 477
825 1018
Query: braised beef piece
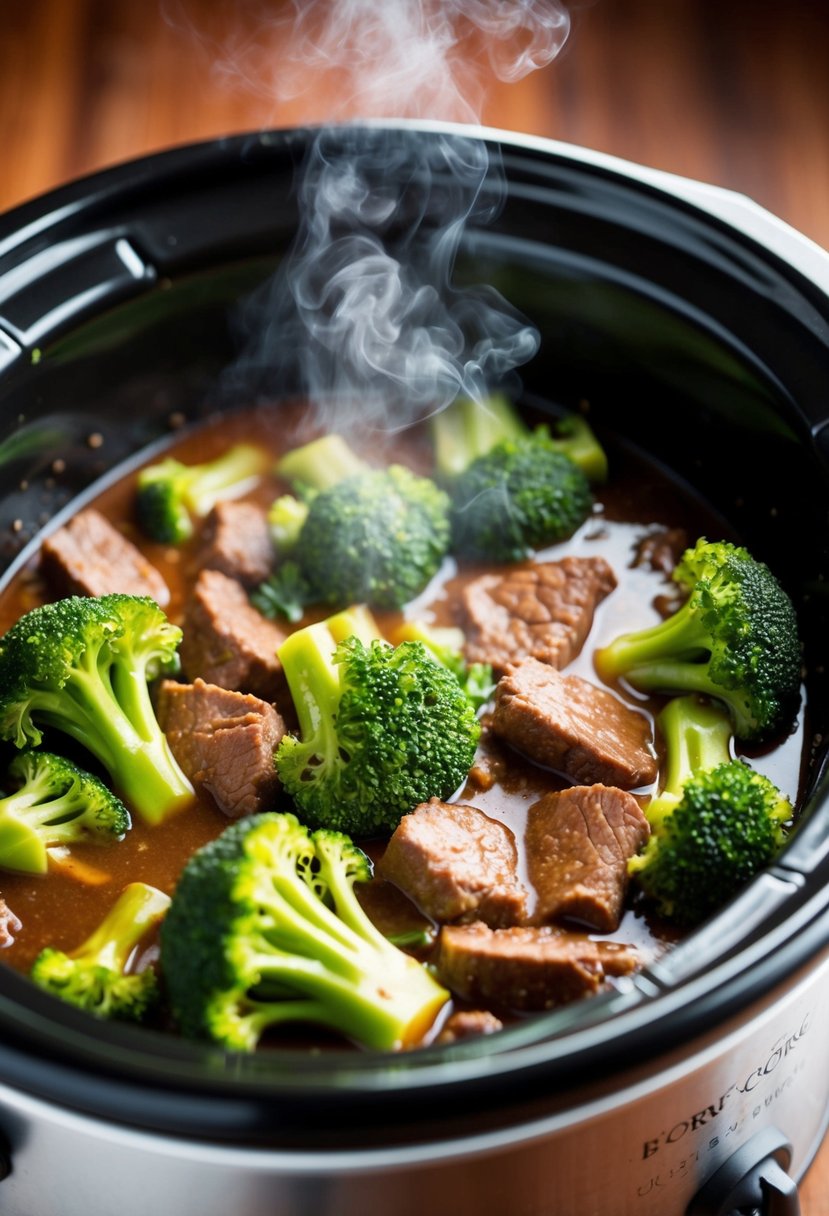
224 742
227 642
661 549
574 727
543 610
9 925
236 540
467 1023
527 968
578 843
454 862
88 556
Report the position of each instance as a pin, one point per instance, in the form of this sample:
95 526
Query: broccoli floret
94 976
81 666
359 535
735 638
54 803
468 429
446 644
265 929
170 495
715 823
382 729
286 592
513 489
523 494
376 538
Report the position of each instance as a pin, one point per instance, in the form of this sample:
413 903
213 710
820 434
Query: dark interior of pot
118 305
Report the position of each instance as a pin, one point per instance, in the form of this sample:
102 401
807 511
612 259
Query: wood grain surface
733 92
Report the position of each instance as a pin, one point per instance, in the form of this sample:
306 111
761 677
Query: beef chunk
574 727
91 557
467 1023
578 843
236 540
661 550
454 862
227 642
544 610
224 742
9 925
527 968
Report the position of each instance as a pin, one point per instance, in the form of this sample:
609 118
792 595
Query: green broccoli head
81 666
375 538
54 803
735 638
382 729
170 495
523 494
716 822
96 976
446 644
265 929
467 429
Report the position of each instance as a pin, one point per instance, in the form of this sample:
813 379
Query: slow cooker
697 325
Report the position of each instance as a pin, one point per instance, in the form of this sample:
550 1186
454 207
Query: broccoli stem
575 439
697 738
313 678
369 990
286 516
320 464
639 655
21 847
138 908
139 761
232 474
356 622
385 1009
467 429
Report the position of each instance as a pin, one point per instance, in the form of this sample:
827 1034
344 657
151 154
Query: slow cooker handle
752 1181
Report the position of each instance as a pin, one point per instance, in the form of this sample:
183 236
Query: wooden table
734 92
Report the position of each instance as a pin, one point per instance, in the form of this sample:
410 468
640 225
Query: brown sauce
62 908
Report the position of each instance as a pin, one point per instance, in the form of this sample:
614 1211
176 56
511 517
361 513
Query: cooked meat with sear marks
578 842
544 610
236 540
527 968
224 742
574 727
227 642
88 556
454 863
467 1024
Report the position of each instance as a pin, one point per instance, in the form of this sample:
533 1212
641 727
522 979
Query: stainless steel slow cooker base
641 1143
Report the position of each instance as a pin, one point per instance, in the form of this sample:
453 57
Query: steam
364 316
411 58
